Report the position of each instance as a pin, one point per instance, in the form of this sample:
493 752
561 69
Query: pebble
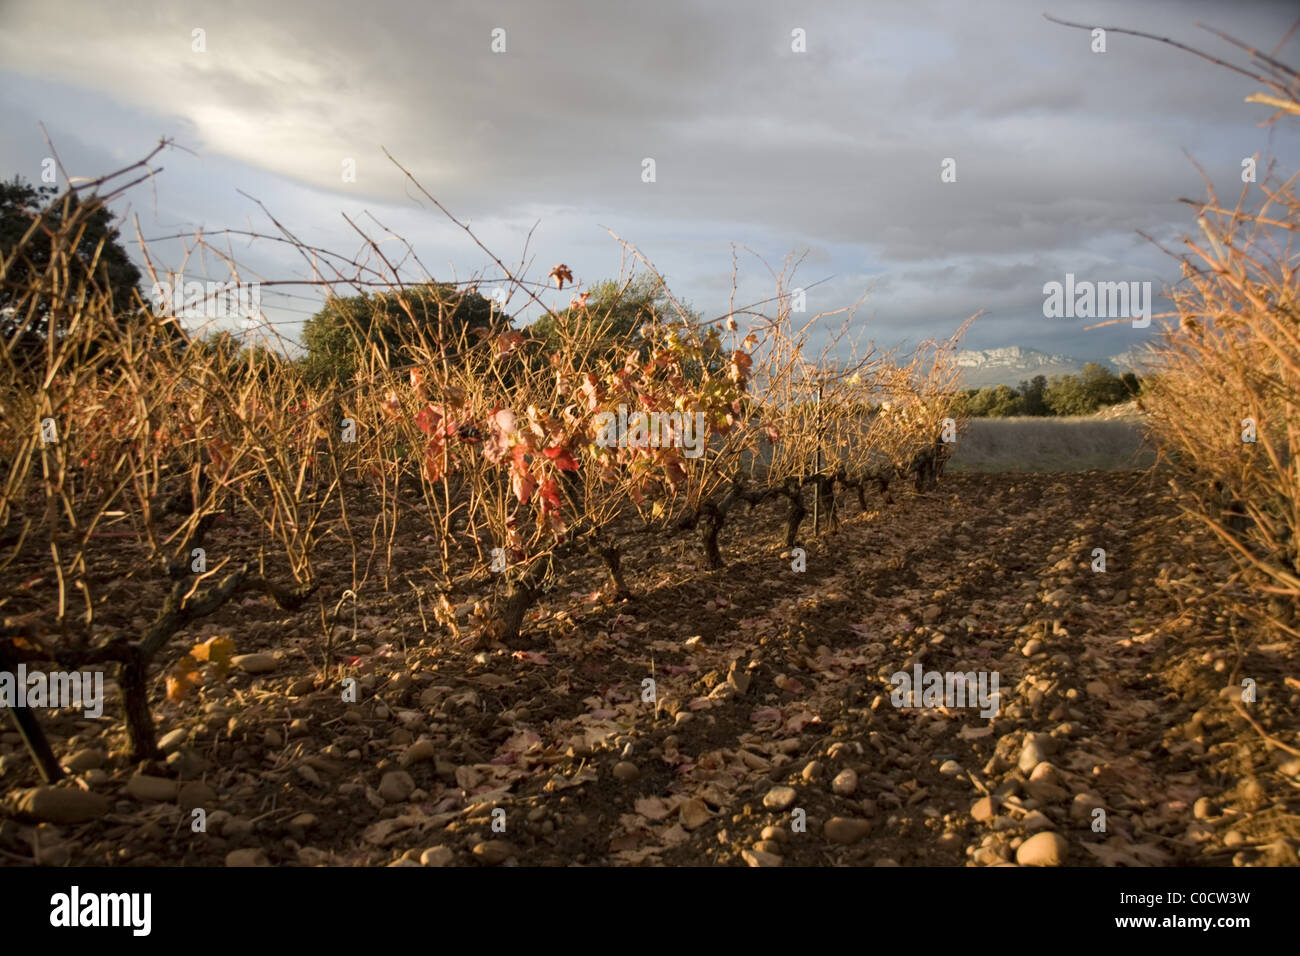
1203 809
812 771
626 770
845 783
1036 820
422 749
1031 754
173 739
437 856
773 832
778 798
845 830
1043 849
396 786
950 768
1046 784
61 805
250 857
144 787
1233 838
259 663
768 846
1083 805
693 814
195 793
492 852
759 858
931 613
985 808
1032 647
84 760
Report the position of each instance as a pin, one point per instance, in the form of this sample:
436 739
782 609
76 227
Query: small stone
302 687
422 749
693 814
1043 849
1032 647
250 857
759 858
1233 838
845 783
437 856
144 787
1082 806
768 846
396 785
931 614
272 738
738 678
950 768
259 663
60 805
492 852
1203 809
812 771
985 808
1046 784
845 830
778 798
173 739
195 793
626 770
1031 754
1036 820
773 832
304 821
84 760
1291 768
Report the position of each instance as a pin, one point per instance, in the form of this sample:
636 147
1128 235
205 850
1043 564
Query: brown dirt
1126 691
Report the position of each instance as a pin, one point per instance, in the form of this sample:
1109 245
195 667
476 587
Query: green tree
444 315
993 401
1031 396
1083 394
26 254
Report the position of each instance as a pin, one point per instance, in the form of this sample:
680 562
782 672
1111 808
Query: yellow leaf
184 677
217 651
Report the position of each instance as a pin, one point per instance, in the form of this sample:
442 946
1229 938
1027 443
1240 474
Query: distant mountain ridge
1011 365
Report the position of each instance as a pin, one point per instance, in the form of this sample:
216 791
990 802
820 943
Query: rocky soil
742 717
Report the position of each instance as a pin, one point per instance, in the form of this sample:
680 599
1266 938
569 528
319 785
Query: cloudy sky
832 153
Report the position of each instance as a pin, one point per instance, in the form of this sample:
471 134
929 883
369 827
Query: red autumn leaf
560 455
522 483
427 419
550 495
